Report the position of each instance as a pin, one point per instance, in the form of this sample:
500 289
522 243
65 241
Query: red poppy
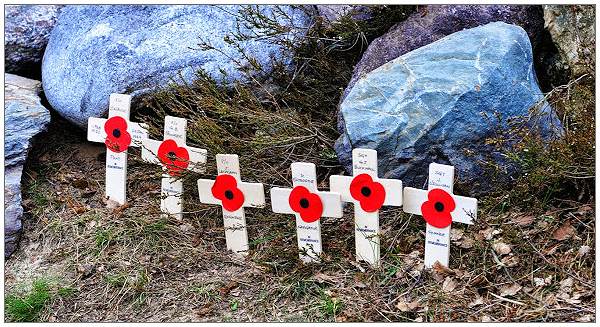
225 189
173 157
307 204
117 137
370 194
436 210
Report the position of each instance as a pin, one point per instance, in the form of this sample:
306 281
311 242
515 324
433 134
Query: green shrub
564 168
279 117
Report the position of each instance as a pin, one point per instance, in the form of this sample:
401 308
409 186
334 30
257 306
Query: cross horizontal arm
150 151
138 131
465 211
393 192
341 184
393 189
205 192
413 199
197 159
96 132
254 193
332 206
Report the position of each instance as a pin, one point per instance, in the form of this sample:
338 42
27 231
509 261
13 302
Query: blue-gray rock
433 22
440 102
24 118
26 32
97 50
332 13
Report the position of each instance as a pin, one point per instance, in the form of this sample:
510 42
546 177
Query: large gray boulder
26 32
332 13
24 118
440 102
573 30
433 22
98 50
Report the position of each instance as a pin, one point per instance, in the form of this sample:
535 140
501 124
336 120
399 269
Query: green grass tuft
27 308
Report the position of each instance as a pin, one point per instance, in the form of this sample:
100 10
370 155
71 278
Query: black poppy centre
366 191
229 194
304 203
116 132
439 207
171 155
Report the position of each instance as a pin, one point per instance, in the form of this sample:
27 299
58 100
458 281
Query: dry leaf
196 240
466 243
79 209
511 289
564 232
538 281
586 318
566 285
205 310
120 208
322 278
486 319
227 288
449 284
501 248
490 233
584 209
550 299
583 250
80 184
478 301
407 306
360 285
456 234
442 270
523 220
112 204
510 261
551 250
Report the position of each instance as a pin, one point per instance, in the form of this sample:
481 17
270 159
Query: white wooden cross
118 133
437 202
233 195
174 156
309 205
368 193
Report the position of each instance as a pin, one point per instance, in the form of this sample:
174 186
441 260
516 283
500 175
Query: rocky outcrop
440 102
24 118
332 13
433 22
573 30
27 30
98 50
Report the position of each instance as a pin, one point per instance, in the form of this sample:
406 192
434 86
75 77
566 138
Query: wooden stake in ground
368 193
233 195
439 207
175 157
309 205
118 133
